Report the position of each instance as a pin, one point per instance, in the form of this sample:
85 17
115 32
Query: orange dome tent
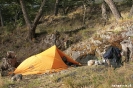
48 61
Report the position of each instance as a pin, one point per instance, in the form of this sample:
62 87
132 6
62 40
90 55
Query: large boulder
9 63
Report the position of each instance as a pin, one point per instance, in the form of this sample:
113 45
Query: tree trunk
131 12
64 7
16 17
104 11
31 26
113 9
84 12
1 19
36 20
26 17
56 7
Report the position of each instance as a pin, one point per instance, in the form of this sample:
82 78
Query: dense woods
20 12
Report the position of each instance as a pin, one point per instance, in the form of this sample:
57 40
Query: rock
75 54
11 54
16 77
130 31
95 46
4 73
4 65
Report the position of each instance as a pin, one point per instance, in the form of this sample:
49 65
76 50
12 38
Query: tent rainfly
49 60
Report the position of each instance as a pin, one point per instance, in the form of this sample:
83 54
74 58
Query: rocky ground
94 47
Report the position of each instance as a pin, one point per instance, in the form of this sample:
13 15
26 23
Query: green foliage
128 2
20 22
11 11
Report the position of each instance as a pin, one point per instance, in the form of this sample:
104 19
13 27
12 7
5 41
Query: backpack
112 53
109 53
117 55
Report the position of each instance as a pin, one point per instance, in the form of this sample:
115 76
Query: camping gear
113 53
48 61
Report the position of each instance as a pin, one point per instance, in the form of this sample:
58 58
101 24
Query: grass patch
1 82
78 77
